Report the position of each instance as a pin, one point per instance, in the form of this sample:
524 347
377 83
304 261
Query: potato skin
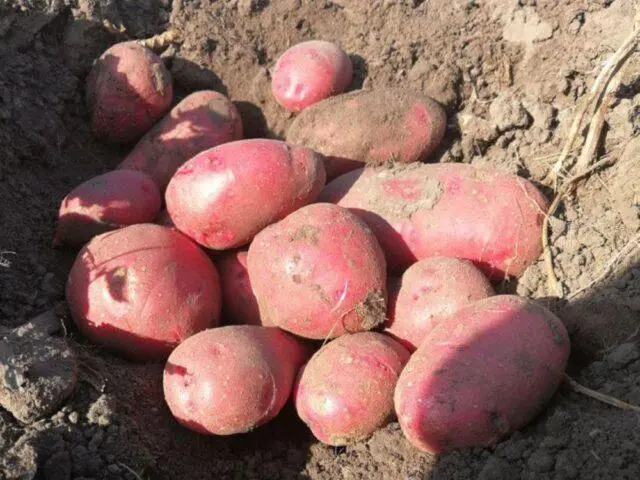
319 273
142 290
481 374
230 380
370 127
309 72
223 196
202 120
239 303
128 90
345 392
106 202
428 291
489 217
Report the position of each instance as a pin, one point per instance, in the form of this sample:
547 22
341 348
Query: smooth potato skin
319 273
491 218
128 90
222 197
430 290
106 202
202 120
345 392
370 127
142 290
230 380
481 374
309 72
238 300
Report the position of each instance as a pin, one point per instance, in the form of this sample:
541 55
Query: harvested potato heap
354 279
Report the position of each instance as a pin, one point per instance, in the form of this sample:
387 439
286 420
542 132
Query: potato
309 72
106 202
430 290
200 121
230 380
239 303
225 195
370 127
481 374
345 392
142 290
128 90
417 211
319 273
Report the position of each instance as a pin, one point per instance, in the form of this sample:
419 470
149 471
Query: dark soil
510 74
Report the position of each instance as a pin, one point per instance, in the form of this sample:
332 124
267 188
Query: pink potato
239 303
430 290
309 72
370 127
491 218
128 90
345 392
481 374
319 273
202 120
222 197
142 290
106 202
230 380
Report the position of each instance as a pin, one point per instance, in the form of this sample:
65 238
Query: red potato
232 379
481 374
370 127
345 392
238 300
224 196
319 273
106 202
430 290
416 211
142 290
202 120
309 72
128 90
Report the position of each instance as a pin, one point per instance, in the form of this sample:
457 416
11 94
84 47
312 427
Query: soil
510 74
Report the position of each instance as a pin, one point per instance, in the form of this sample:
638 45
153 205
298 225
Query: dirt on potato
510 73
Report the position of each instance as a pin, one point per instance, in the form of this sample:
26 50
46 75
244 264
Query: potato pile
334 269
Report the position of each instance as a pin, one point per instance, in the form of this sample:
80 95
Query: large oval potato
142 290
428 291
223 196
230 380
201 120
481 374
319 273
345 392
370 126
454 210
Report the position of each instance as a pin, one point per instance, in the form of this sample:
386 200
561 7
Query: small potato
106 202
370 127
430 290
481 374
202 120
128 90
319 273
230 380
142 290
223 196
309 72
239 303
345 392
489 217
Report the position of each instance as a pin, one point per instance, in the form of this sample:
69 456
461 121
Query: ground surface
510 73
